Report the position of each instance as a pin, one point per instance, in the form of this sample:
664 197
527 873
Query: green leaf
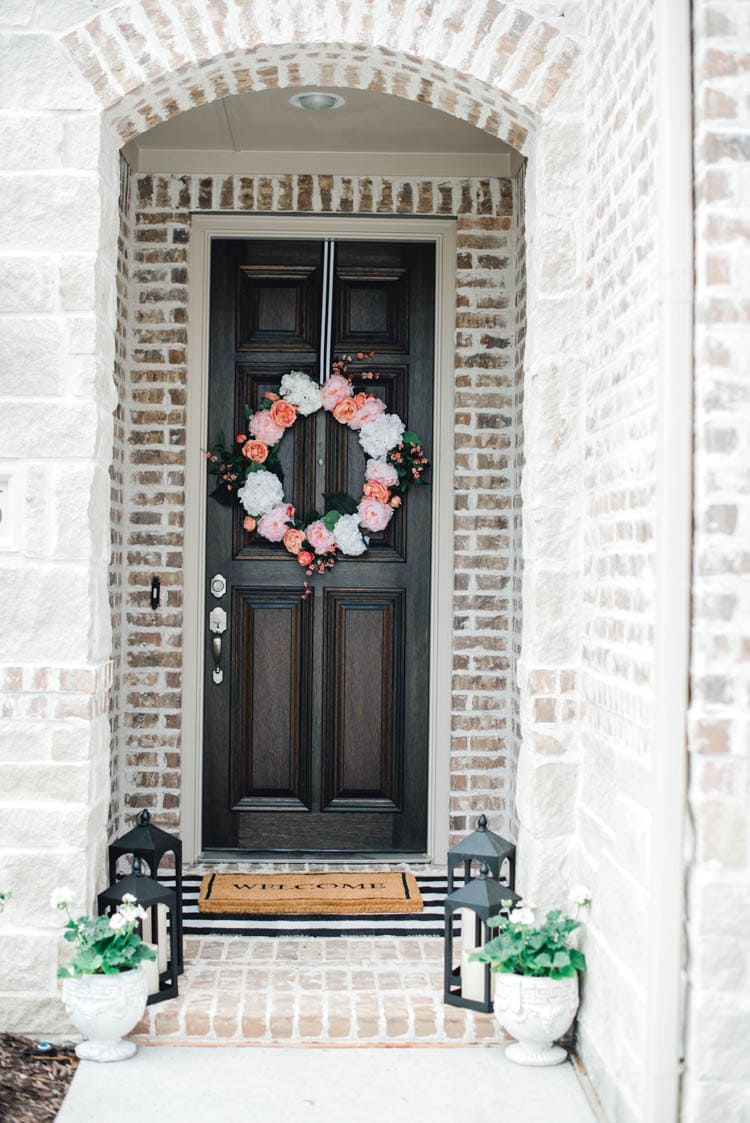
340 501
247 412
562 959
330 519
411 438
578 959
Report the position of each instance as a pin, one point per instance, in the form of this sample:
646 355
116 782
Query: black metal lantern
483 846
470 983
150 843
159 928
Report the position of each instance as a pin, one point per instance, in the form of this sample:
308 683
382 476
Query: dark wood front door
317 738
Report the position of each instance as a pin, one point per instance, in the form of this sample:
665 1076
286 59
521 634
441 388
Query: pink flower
334 389
371 409
320 538
373 515
373 489
382 473
274 525
263 426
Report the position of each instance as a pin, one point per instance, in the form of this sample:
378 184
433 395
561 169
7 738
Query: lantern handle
144 818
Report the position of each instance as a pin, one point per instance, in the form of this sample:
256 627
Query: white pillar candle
162 938
151 967
472 973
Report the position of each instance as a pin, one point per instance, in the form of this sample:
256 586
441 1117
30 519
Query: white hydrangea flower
260 492
580 895
378 437
300 390
129 899
61 898
522 916
117 921
349 537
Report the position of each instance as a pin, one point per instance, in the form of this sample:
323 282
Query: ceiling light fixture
316 99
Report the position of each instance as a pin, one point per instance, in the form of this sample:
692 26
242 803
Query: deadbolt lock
218 585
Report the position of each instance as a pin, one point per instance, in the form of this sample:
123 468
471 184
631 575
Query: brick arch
493 64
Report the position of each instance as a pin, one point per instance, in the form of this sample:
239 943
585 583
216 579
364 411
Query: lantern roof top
482 892
482 843
145 836
146 890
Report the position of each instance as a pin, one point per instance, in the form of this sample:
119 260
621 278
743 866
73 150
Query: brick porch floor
358 990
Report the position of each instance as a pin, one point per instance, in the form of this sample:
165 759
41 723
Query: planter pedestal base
105 1050
536 1055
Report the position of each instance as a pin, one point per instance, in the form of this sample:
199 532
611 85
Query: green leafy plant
523 947
104 945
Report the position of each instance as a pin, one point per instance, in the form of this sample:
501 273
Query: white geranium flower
349 537
300 390
260 492
61 898
378 437
117 921
580 895
131 909
522 916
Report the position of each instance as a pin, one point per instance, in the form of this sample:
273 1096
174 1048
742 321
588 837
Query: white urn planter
104 1008
536 1011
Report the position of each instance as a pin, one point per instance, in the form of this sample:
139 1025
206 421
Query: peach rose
374 515
305 558
396 501
345 410
283 414
264 428
334 389
293 540
373 489
270 396
257 451
273 525
241 438
320 537
249 524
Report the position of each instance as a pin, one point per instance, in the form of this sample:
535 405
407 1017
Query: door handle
218 674
217 625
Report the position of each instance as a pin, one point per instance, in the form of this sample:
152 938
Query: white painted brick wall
717 1083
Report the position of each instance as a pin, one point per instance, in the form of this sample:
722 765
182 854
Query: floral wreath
250 472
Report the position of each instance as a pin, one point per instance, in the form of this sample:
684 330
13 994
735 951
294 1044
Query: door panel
364 643
307 746
297 452
271 659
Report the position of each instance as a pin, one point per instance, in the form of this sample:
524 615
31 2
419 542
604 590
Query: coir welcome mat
345 892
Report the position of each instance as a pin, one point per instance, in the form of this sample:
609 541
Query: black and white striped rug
433 888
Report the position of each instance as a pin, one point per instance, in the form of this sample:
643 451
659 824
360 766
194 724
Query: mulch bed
32 1085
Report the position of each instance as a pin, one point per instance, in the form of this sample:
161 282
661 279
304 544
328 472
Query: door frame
442 233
